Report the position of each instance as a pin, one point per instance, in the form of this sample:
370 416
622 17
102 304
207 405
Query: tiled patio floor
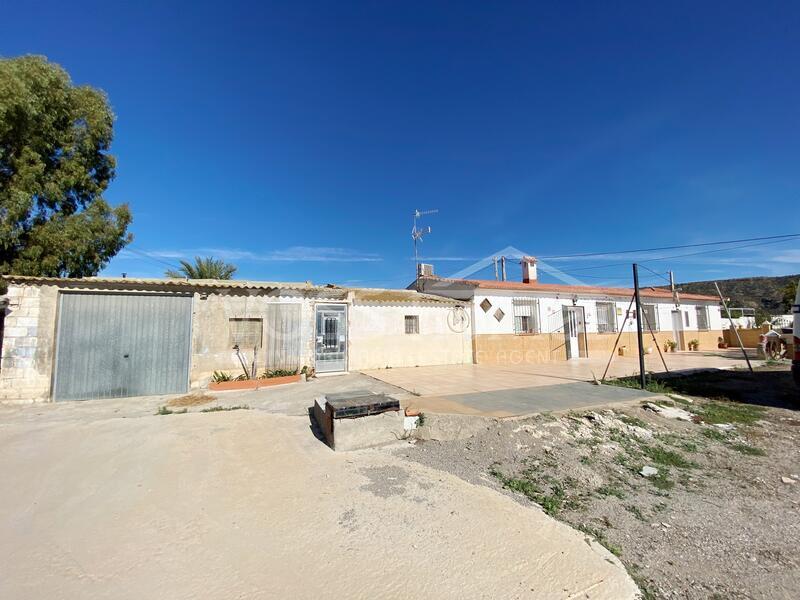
504 390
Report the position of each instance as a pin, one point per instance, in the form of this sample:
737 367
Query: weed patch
631 420
635 511
610 490
728 411
225 408
651 385
662 456
551 503
715 434
601 539
165 410
748 449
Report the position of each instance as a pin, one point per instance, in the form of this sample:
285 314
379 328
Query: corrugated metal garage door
119 345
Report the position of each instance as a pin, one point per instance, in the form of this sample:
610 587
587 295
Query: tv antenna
417 233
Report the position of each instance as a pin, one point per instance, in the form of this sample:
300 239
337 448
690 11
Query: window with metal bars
650 317
702 318
412 324
245 333
526 315
606 317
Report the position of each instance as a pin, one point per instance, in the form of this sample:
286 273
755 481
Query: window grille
702 318
499 314
486 305
526 315
245 333
412 324
650 317
606 317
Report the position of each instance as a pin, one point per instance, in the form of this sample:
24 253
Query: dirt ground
247 504
719 520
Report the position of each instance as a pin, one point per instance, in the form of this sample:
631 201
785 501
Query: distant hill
764 293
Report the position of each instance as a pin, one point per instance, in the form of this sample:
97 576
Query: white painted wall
551 306
378 338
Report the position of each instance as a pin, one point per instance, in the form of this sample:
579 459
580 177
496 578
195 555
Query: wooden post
736 331
642 380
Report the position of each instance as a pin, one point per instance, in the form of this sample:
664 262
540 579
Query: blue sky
295 139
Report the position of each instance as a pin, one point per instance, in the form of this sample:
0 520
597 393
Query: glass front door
331 338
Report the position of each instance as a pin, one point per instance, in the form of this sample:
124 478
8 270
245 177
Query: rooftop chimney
528 269
424 270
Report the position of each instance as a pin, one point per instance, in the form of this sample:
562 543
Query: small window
606 317
650 317
702 318
499 314
526 315
486 305
412 324
245 333
686 317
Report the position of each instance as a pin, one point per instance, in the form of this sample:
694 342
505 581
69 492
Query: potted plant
694 345
671 345
721 343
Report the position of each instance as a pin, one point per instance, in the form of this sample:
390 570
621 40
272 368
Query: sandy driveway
250 505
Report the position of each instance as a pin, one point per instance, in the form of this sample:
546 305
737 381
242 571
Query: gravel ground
720 519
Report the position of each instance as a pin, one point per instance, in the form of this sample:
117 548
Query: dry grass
193 399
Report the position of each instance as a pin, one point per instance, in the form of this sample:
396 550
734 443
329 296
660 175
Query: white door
677 328
572 330
331 338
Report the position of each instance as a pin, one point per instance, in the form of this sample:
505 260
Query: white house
71 339
533 322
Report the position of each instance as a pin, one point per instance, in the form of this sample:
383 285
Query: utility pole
503 267
642 380
496 275
675 297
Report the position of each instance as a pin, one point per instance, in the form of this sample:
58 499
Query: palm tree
203 268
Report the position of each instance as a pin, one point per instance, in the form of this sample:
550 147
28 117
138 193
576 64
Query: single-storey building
533 322
98 337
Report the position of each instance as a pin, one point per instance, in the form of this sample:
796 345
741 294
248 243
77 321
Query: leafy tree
788 295
204 268
54 168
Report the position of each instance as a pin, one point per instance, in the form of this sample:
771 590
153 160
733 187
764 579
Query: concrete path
525 401
250 505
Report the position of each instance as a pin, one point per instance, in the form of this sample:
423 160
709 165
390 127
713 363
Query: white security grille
649 317
606 317
702 318
526 315
412 324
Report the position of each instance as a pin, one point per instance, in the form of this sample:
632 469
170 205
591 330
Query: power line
656 274
151 257
755 239
660 258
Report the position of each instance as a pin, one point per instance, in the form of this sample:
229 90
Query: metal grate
499 314
412 324
606 317
245 333
650 317
486 305
526 315
702 318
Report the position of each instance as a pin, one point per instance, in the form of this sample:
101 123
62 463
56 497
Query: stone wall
26 365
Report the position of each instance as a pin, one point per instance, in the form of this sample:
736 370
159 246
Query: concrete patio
514 390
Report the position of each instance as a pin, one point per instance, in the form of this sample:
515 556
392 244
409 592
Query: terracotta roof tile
558 288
